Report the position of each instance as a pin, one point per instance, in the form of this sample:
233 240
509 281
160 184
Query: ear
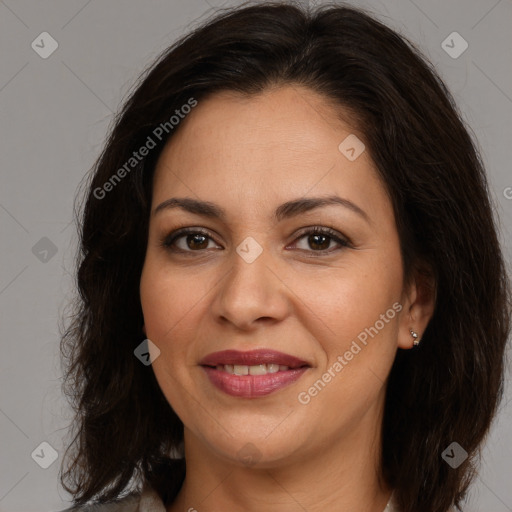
419 299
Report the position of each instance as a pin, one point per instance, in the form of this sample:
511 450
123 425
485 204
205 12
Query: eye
196 239
320 238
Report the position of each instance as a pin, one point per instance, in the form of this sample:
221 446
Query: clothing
149 501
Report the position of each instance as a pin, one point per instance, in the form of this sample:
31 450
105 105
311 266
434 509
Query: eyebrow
284 211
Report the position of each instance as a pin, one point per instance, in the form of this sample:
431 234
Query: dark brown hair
446 390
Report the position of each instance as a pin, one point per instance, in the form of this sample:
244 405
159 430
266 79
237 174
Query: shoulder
145 501
129 503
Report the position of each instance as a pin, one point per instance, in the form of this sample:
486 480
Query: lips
252 358
252 374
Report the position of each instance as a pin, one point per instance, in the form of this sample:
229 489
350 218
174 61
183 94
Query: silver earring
416 341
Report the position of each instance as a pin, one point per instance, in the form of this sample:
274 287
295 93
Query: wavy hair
448 389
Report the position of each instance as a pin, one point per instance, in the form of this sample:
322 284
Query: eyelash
169 240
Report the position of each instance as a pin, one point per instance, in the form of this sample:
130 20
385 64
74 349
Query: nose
252 292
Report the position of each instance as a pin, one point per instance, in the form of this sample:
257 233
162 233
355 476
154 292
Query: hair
447 389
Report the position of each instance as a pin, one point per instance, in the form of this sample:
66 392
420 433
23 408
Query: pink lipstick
252 374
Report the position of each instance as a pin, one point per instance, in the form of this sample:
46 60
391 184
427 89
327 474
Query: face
256 277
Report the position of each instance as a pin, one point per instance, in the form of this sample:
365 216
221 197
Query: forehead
282 143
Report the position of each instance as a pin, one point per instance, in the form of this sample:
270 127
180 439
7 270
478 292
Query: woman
290 279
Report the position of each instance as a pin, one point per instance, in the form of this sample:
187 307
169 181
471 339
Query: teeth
241 369
259 369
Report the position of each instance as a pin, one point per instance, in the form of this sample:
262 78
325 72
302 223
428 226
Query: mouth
258 361
260 369
252 374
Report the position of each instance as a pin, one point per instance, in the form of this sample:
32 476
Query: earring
416 341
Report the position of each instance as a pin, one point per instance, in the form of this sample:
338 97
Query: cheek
166 300
154 297
358 308
353 317
343 302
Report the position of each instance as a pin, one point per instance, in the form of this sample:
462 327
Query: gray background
54 115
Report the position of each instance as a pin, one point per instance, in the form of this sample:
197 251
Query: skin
249 155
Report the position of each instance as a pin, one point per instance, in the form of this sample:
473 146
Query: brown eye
319 240
195 240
